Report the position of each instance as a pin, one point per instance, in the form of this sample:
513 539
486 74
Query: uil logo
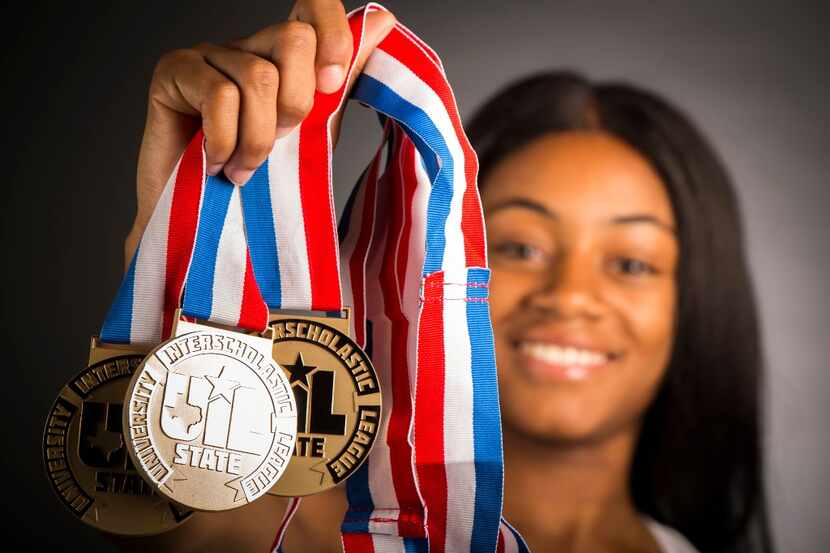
100 442
314 392
216 413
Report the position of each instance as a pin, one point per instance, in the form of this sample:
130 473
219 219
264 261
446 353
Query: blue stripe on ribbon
487 445
262 241
118 324
198 292
432 147
415 545
360 501
357 486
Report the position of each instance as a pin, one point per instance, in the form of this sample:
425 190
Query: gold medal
338 401
86 458
211 420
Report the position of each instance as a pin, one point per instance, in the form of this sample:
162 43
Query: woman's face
583 253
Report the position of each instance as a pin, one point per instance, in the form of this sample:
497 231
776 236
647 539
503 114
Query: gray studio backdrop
752 74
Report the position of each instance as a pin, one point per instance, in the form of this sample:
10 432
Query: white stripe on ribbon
150 268
459 451
388 70
388 544
415 265
231 255
289 226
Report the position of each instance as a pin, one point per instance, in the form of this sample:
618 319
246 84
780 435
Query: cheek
648 322
651 321
507 290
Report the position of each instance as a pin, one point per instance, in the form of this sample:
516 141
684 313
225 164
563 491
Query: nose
570 289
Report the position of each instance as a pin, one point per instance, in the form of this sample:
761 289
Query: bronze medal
211 420
86 458
338 401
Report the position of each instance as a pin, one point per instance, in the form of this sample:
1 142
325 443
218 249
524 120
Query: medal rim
201 328
44 462
320 321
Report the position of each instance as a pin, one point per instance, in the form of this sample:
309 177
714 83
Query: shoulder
669 539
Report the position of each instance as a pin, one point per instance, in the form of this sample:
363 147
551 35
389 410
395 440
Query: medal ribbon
438 473
195 241
413 266
150 292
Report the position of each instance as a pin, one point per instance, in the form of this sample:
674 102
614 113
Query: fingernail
213 169
330 78
238 176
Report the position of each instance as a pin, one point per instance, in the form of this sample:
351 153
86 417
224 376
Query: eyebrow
643 218
527 204
550 214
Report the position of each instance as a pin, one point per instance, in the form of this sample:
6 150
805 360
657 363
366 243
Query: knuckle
257 148
251 156
220 140
260 74
295 108
223 92
296 35
169 60
338 43
219 144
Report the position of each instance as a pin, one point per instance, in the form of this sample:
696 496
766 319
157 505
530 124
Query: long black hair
698 464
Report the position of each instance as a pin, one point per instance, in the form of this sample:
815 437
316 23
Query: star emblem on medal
221 387
299 371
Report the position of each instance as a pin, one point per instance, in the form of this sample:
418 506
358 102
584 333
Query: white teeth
567 356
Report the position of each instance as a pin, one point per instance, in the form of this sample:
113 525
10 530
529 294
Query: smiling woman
625 324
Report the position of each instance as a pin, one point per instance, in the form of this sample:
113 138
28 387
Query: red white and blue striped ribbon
194 242
413 264
142 312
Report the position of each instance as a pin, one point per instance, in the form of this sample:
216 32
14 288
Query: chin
558 432
557 418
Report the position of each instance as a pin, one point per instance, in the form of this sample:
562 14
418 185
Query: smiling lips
547 361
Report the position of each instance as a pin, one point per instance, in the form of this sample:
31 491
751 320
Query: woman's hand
245 93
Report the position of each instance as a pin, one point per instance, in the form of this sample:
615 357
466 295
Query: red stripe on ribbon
400 418
181 233
401 47
319 226
361 542
315 170
411 185
429 416
253 314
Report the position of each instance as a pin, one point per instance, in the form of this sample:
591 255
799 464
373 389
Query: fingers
246 94
334 40
183 86
291 46
186 84
254 85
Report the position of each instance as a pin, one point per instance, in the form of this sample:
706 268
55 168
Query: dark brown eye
518 250
633 267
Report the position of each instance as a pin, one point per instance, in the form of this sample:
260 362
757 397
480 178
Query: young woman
625 326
